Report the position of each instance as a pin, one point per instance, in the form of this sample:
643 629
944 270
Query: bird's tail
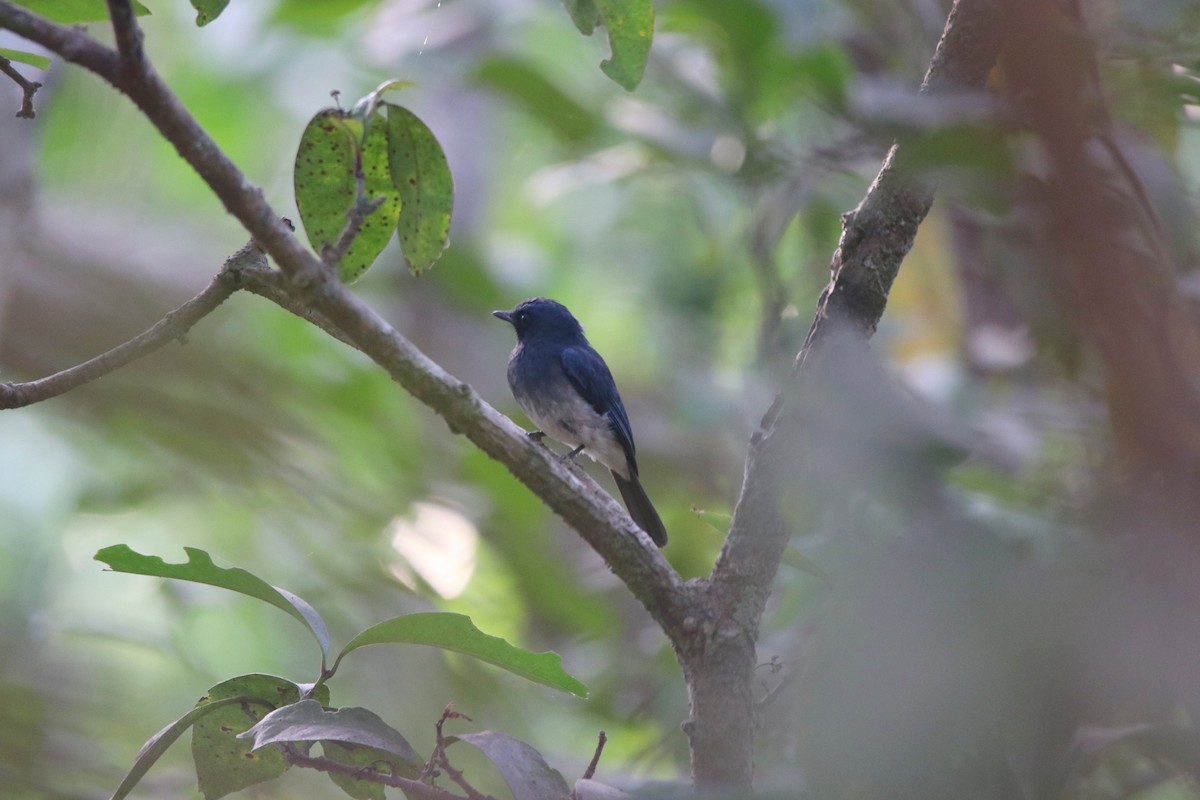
641 509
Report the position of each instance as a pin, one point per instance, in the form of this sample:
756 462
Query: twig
333 254
440 758
128 34
28 88
173 327
411 788
595 762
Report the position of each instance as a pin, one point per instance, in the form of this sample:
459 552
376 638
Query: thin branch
442 760
601 740
173 327
127 33
332 254
411 788
28 88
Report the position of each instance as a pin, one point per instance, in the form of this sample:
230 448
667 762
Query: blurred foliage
942 629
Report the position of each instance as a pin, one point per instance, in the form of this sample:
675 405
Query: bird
563 385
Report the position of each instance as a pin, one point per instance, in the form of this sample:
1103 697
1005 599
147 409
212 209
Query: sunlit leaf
456 632
525 771
200 569
225 763
22 57
74 12
420 174
208 10
326 161
630 25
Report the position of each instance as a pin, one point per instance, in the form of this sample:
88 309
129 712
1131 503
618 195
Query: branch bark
720 660
172 327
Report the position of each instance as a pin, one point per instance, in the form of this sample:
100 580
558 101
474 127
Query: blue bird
564 386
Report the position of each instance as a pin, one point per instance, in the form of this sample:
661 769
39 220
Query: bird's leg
536 436
571 455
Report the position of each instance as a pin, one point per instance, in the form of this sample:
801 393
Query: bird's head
541 317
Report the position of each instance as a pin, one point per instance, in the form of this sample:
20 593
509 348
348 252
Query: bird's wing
588 373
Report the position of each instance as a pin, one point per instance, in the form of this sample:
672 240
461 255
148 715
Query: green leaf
153 749
456 632
208 10
22 57
307 721
584 14
525 771
331 148
225 763
630 25
200 569
420 174
74 12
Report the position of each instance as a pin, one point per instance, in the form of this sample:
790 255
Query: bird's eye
523 316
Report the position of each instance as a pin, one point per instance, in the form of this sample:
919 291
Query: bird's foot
565 457
536 436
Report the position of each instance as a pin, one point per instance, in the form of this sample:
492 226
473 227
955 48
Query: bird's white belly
576 423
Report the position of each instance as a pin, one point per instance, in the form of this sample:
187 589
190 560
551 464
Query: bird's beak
504 315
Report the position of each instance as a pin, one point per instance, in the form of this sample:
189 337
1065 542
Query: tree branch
28 88
411 788
568 492
875 238
172 327
128 34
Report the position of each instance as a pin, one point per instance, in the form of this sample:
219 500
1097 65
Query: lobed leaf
456 632
630 25
200 569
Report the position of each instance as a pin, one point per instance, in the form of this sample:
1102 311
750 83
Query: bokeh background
689 226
